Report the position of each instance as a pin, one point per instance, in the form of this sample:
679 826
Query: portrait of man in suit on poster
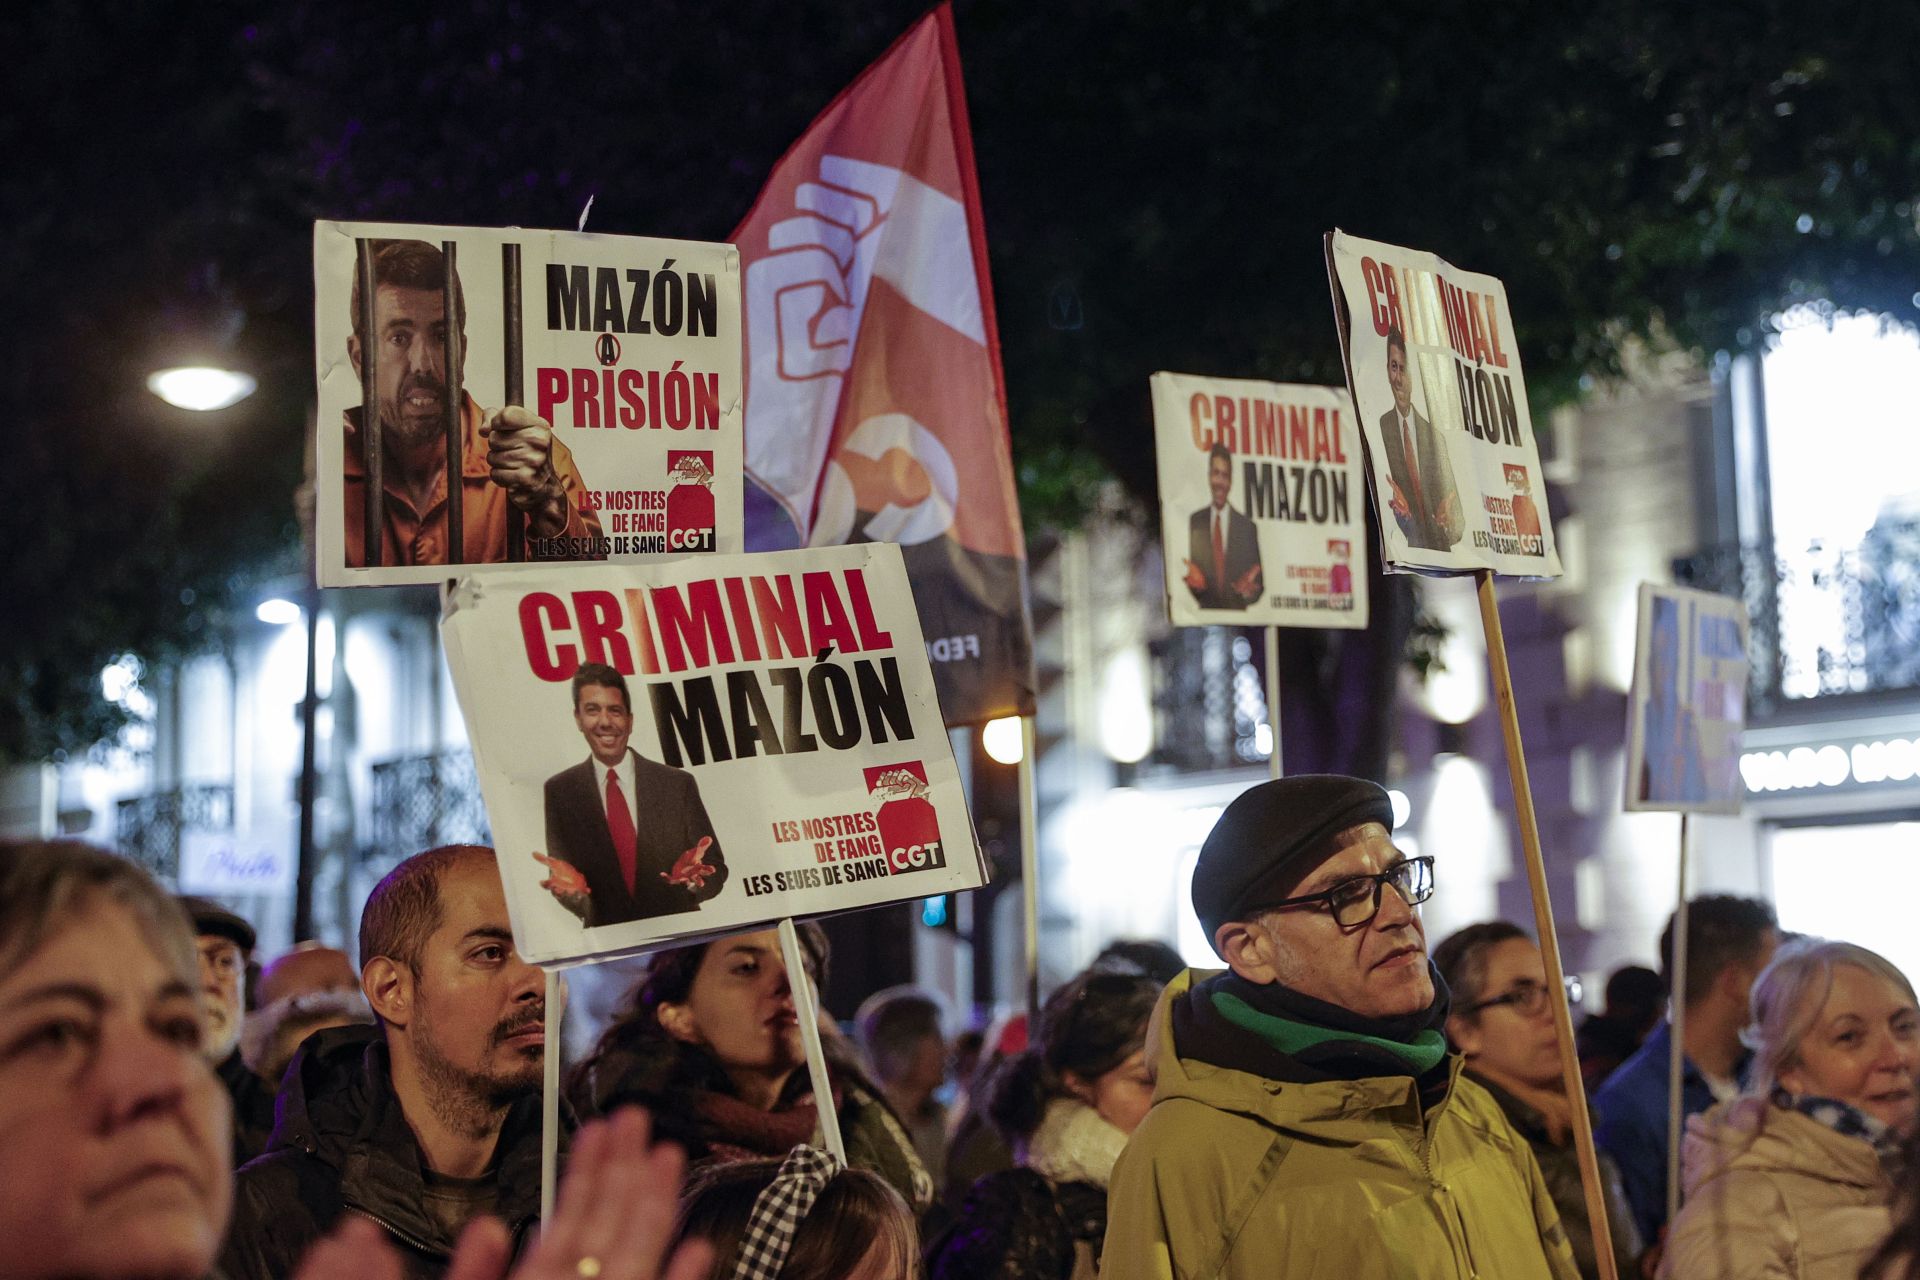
628 838
1223 547
1423 499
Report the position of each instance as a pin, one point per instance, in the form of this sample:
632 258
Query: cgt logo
909 827
690 500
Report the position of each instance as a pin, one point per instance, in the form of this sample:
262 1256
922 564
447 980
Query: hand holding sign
691 869
520 456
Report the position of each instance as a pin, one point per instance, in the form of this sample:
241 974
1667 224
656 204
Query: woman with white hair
1794 1178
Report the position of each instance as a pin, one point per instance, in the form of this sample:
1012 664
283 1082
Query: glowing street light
201 388
1001 738
277 612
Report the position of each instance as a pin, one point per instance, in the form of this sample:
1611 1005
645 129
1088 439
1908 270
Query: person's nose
1395 913
529 981
139 1073
1896 1055
425 358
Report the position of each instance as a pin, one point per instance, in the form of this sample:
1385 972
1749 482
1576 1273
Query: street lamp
201 388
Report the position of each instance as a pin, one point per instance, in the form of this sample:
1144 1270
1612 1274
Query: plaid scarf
1849 1120
780 1209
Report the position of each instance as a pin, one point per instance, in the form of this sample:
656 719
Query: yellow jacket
1233 1176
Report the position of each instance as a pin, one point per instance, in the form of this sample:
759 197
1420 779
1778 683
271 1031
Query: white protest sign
704 745
1688 704
1262 504
627 349
1435 373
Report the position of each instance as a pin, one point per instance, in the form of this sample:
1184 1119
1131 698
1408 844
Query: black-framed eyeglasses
1356 900
1529 998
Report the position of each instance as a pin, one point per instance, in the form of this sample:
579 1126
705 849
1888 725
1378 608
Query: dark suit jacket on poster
668 819
1243 553
1423 527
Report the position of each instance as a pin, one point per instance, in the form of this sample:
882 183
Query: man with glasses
1307 1117
1502 1025
226 945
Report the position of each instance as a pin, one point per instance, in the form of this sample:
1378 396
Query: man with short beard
428 1119
225 942
1307 1118
510 462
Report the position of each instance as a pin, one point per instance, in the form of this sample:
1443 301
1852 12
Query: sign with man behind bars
583 390
706 744
1435 373
1262 504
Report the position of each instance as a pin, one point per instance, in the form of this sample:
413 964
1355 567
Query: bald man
307 989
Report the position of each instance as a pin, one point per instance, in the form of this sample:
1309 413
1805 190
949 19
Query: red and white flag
876 407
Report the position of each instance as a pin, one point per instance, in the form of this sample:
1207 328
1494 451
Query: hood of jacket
338 1106
1751 1133
1334 1109
1074 1144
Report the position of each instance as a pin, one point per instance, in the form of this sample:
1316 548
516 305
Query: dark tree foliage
1157 178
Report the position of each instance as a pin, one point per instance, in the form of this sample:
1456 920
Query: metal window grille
147 828
422 801
1825 620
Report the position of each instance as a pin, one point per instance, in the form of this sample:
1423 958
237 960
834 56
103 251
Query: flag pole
550 1093
808 1009
1275 766
1677 1025
1030 870
1575 1088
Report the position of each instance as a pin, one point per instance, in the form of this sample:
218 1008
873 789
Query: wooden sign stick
1543 924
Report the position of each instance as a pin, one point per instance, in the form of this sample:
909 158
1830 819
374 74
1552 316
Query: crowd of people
1337 1098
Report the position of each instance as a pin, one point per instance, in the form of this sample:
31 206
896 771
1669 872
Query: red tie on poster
1219 554
620 826
876 408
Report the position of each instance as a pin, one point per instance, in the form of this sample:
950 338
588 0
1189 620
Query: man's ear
388 987
353 350
1247 950
677 1021
1463 1034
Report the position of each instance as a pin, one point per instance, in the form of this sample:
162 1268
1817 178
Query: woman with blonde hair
1794 1178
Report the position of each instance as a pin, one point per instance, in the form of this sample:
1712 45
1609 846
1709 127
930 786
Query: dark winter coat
252 1108
343 1144
691 1100
1046 1220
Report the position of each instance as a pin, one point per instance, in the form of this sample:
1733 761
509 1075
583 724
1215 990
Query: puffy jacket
1235 1176
1043 1221
1773 1194
342 1144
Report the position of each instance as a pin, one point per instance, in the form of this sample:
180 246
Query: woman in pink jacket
1794 1178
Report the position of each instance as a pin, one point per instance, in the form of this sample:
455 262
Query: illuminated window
1845 882
1842 396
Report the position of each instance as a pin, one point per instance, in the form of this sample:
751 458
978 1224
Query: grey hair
1788 995
46 884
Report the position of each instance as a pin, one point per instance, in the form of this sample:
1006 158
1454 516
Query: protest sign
626 350
1262 513
769 724
1436 379
1688 703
